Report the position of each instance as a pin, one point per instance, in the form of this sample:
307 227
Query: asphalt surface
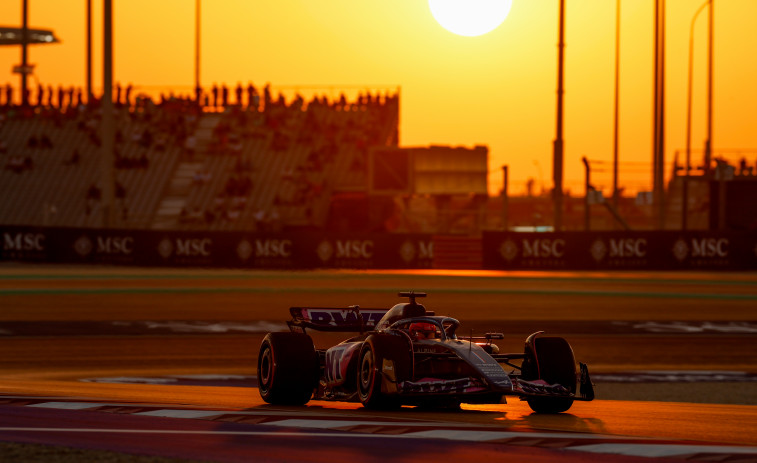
684 338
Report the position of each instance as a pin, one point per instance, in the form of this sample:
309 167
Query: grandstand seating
293 158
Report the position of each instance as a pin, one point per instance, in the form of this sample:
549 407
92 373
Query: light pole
708 143
685 195
659 115
24 53
108 123
557 155
89 51
617 91
198 89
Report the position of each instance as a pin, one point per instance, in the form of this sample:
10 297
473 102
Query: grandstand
180 166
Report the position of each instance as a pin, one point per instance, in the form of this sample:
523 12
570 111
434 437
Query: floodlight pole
557 156
24 52
198 89
89 51
708 143
107 117
615 198
685 200
659 115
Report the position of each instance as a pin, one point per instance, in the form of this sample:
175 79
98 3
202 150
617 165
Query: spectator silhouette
74 159
251 95
127 95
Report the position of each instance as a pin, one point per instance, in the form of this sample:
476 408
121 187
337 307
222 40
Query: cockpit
428 328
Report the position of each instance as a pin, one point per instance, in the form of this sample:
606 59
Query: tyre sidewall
287 368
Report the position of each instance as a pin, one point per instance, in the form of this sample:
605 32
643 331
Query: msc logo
190 247
270 248
423 251
354 249
23 242
701 248
273 248
345 249
628 247
709 247
539 248
544 248
244 250
620 248
598 250
509 250
115 245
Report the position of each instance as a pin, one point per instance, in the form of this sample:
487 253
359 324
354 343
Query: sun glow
470 17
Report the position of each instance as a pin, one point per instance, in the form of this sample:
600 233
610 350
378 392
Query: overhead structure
14 36
24 36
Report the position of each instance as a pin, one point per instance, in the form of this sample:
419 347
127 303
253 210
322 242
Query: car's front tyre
374 351
551 360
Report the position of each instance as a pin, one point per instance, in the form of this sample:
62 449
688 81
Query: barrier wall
214 249
667 250
653 250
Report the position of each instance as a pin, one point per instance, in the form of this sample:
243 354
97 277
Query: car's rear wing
334 319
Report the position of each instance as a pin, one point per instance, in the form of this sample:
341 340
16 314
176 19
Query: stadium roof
12 36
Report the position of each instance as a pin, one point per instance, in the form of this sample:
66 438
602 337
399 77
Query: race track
101 348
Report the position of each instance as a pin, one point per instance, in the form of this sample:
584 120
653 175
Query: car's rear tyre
287 368
374 351
556 365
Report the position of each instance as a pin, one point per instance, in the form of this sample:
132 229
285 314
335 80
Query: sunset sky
498 89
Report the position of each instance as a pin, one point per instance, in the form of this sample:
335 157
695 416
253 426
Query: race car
408 355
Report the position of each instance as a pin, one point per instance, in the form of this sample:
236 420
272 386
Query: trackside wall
666 250
657 250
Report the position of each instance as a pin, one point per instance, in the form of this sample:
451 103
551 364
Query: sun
470 17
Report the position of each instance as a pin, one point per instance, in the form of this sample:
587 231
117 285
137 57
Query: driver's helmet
422 330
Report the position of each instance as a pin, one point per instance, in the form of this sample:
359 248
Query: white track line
68 405
641 450
660 450
180 413
325 423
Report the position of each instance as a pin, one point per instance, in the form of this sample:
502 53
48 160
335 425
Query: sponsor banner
311 250
532 250
214 249
666 250
101 246
371 251
27 244
267 251
176 249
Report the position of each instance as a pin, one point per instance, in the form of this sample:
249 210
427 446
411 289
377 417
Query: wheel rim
366 372
266 368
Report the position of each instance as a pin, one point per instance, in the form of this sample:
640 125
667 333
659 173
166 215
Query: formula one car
407 355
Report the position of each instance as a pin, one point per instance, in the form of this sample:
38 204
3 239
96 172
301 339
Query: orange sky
498 89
